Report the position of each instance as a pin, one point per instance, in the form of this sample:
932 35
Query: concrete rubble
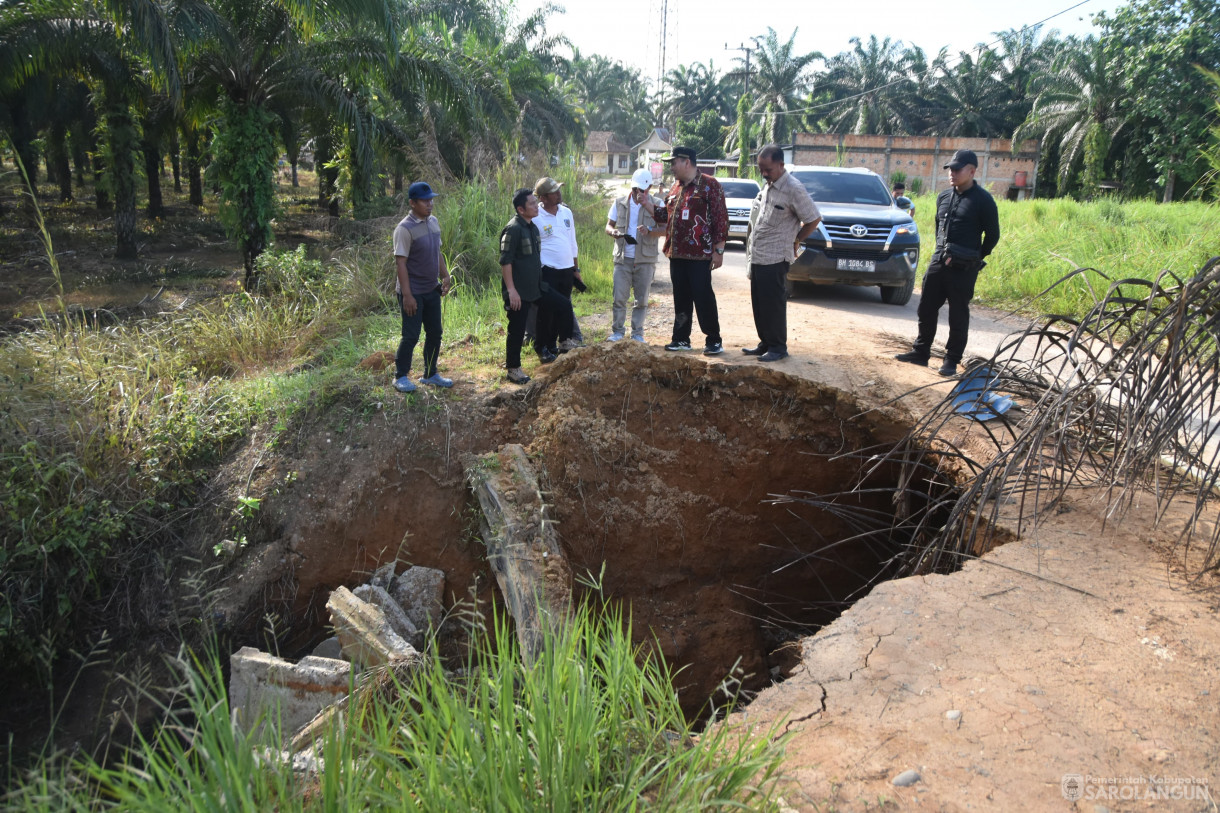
263 687
381 623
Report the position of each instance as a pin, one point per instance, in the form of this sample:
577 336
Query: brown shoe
517 376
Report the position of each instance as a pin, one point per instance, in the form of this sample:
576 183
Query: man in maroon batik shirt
697 224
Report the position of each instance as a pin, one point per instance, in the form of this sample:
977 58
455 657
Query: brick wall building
1003 173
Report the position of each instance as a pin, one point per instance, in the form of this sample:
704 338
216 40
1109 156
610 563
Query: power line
929 69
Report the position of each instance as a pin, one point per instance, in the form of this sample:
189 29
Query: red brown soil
1078 649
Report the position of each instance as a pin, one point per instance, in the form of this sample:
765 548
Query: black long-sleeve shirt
964 220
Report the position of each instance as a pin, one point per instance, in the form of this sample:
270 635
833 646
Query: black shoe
713 349
678 346
546 356
773 355
948 368
754 351
913 357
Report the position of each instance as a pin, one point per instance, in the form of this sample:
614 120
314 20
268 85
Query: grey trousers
629 275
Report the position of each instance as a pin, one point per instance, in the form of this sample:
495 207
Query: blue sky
629 30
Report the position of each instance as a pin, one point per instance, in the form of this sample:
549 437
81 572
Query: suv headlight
909 228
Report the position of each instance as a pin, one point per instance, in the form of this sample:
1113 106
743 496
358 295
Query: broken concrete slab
420 591
364 632
384 575
393 612
263 687
330 648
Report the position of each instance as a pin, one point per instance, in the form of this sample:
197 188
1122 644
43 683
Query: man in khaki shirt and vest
636 235
786 216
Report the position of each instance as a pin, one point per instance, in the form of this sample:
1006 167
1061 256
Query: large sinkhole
663 471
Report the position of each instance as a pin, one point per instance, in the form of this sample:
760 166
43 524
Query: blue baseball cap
420 191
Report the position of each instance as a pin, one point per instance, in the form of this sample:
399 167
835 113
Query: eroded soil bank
1077 651
657 466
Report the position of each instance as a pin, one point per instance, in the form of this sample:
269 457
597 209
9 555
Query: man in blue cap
423 278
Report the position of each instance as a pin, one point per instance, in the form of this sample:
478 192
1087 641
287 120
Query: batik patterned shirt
697 218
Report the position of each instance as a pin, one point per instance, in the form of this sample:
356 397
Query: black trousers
548 323
428 316
941 284
769 301
693 294
559 311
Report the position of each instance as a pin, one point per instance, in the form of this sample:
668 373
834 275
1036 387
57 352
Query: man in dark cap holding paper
967 229
422 279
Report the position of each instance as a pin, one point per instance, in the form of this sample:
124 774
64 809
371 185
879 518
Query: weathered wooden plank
522 546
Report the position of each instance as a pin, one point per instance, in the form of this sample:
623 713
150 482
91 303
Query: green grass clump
593 724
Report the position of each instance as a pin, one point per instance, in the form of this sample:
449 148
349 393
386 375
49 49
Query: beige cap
546 186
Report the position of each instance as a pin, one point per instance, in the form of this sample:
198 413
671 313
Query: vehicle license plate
857 265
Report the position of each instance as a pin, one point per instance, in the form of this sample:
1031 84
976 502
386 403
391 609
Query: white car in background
739 195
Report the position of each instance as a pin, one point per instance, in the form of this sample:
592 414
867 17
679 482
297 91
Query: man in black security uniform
967 229
521 266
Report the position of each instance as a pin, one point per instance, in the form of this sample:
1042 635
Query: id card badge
686 214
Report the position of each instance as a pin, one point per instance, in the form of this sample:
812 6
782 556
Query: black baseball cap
961 158
682 152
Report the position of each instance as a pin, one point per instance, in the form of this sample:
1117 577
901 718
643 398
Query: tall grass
1041 241
107 427
592 724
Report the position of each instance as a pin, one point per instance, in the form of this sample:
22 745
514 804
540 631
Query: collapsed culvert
696 495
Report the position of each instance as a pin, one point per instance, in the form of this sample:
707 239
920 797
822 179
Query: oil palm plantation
124 50
1024 55
1079 106
970 99
690 90
874 93
610 95
779 80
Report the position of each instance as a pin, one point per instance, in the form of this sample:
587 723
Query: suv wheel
898 295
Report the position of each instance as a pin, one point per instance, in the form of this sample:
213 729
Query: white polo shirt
558 236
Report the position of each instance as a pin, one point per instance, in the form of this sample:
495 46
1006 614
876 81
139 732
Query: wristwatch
720 251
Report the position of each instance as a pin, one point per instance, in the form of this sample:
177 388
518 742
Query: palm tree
1079 106
254 57
875 91
611 95
123 48
692 90
1024 55
970 99
780 79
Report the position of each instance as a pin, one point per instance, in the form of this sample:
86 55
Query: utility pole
661 52
743 148
748 50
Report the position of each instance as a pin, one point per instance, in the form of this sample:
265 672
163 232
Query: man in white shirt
557 225
635 254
